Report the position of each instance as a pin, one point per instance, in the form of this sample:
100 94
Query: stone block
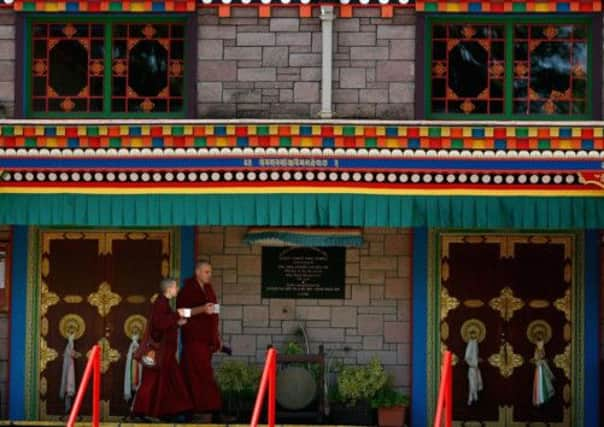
401 92
404 266
231 327
216 71
378 263
344 317
352 78
370 324
395 111
372 277
209 92
3 348
326 335
364 53
243 345
286 95
346 96
220 262
312 74
284 24
366 12
356 39
257 74
293 39
400 32
304 59
255 39
244 12
243 53
275 56
249 265
373 343
282 309
233 236
209 49
349 24
352 269
402 49
306 92
395 71
210 243
255 316
373 95
312 313
396 288
360 295
397 244
242 299
385 357
7 91
377 294
403 354
396 332
316 42
216 111
215 32
3 328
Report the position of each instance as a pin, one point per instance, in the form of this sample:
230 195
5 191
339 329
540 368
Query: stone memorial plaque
303 272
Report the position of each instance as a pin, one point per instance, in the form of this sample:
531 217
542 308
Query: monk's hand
209 308
182 322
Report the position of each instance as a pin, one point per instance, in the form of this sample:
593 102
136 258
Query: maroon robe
163 391
199 340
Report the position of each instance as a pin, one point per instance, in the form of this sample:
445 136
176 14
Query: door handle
108 330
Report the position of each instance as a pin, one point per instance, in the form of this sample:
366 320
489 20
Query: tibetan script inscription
303 272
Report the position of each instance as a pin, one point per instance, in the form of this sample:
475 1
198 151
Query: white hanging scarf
543 387
68 385
474 375
133 371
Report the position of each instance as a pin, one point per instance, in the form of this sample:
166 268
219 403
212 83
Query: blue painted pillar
592 312
18 327
419 393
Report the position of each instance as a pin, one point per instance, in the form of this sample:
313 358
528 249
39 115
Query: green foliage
357 383
236 377
387 397
293 348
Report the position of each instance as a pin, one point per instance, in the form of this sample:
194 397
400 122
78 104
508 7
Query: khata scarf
543 387
68 386
474 375
133 371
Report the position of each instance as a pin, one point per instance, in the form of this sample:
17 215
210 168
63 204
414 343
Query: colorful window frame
503 95
107 83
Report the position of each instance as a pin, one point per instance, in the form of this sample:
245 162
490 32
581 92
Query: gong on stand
300 396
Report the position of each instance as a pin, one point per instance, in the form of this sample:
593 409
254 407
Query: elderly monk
163 392
200 339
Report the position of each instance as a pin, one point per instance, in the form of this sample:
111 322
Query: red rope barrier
268 380
445 394
93 368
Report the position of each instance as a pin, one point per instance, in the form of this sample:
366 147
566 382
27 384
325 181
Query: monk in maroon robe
200 339
163 392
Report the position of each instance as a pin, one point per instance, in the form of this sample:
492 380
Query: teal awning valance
292 236
302 210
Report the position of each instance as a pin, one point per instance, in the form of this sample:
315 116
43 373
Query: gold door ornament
104 299
72 324
563 305
563 361
506 304
506 360
447 303
47 299
473 329
108 355
47 354
135 324
539 330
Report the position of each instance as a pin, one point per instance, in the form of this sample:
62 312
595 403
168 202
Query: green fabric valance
307 210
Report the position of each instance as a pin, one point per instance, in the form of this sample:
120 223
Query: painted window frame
593 65
24 62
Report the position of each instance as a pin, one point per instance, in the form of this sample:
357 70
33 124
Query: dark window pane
496 89
176 87
465 60
498 51
178 31
438 107
439 32
68 63
39 86
177 49
118 105
119 86
148 68
96 105
96 86
176 105
439 88
40 49
120 30
39 30
520 107
439 50
496 107
521 51
97 49
39 105
521 31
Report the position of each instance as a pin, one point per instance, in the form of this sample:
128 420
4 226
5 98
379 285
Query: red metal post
96 388
90 366
449 400
444 393
272 388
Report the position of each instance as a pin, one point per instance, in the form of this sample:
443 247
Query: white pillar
327 17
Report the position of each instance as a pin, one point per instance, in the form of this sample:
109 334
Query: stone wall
271 67
7 63
373 319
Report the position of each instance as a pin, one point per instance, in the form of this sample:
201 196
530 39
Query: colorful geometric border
504 6
105 5
323 136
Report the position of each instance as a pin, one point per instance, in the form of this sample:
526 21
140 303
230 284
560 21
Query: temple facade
442 161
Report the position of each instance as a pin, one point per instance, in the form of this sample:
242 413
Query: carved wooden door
136 264
98 287
507 292
72 264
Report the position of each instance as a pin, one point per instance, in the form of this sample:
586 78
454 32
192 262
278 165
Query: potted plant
238 383
391 405
356 387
